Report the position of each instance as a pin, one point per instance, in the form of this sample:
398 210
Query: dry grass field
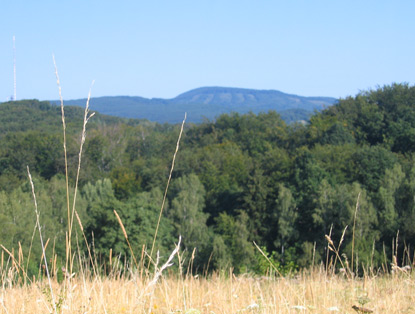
308 292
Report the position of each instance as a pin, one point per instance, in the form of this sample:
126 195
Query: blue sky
163 48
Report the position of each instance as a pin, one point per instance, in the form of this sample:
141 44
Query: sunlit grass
309 292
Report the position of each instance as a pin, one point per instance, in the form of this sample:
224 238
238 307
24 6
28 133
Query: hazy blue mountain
207 102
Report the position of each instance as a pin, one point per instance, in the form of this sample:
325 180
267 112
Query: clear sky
164 48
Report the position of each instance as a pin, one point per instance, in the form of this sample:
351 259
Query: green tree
255 204
125 182
370 164
224 169
232 247
307 183
103 229
139 216
406 207
187 216
286 216
335 210
18 220
389 187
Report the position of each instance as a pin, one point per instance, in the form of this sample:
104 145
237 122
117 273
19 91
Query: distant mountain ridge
207 102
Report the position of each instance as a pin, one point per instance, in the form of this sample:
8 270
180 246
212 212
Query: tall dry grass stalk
41 240
126 237
354 226
336 251
91 259
68 248
167 188
87 116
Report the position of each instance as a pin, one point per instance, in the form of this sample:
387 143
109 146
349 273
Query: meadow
311 291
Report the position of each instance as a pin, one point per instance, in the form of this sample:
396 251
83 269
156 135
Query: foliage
238 179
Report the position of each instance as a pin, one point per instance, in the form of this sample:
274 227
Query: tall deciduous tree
187 214
231 246
388 214
286 214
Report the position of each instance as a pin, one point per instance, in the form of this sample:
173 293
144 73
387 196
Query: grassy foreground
309 292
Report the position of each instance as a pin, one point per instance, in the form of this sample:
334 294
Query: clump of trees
239 179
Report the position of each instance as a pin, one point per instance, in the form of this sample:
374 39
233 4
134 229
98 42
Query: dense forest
237 180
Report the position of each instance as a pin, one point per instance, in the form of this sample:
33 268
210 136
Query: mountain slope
207 102
34 115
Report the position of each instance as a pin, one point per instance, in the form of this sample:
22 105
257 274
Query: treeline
239 179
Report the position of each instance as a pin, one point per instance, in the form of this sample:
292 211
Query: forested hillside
239 179
208 103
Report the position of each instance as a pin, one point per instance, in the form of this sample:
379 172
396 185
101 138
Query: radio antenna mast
14 69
